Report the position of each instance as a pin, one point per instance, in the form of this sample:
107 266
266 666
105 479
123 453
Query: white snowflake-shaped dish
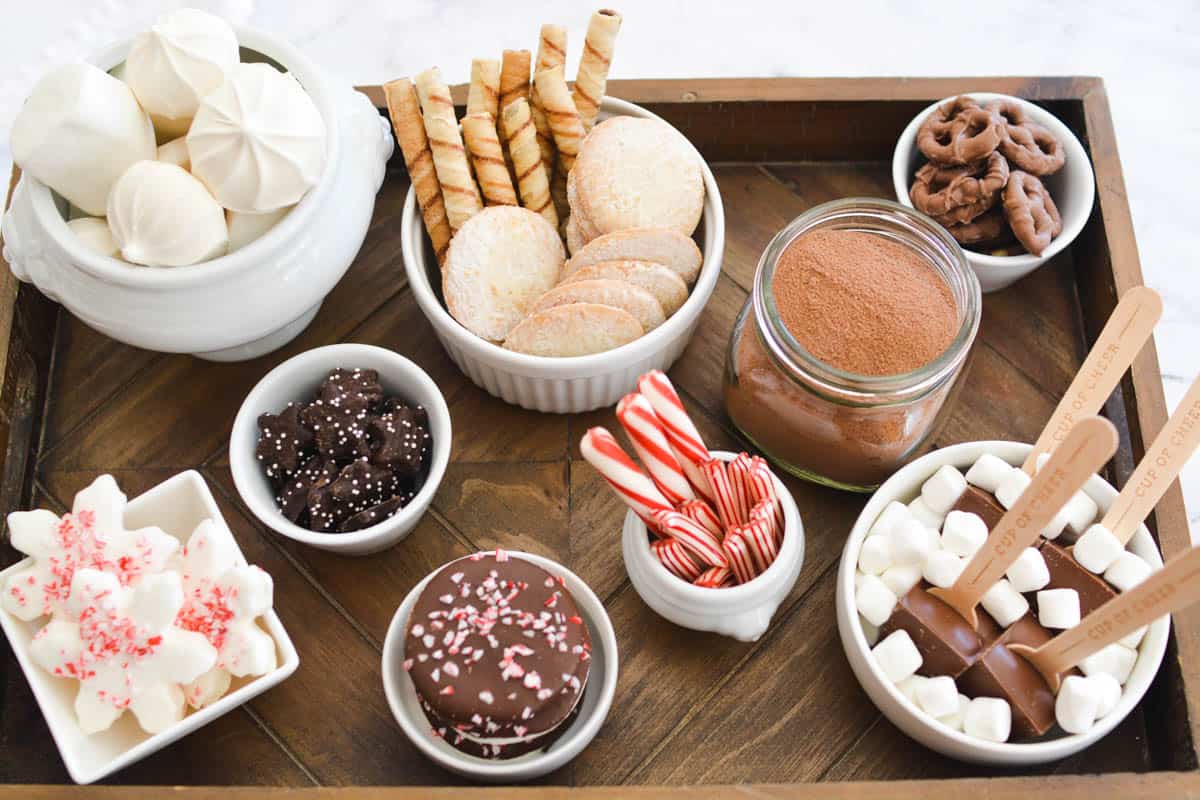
91 536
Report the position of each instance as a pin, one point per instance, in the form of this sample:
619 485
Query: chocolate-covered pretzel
968 190
1010 111
959 132
1031 212
1032 148
989 227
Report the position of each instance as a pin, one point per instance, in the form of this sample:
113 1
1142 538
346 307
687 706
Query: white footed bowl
565 385
1073 189
904 486
241 305
740 612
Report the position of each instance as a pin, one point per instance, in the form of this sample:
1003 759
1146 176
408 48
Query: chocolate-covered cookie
284 443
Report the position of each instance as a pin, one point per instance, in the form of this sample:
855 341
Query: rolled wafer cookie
597 56
405 111
514 76
551 52
532 182
606 292
667 247
577 329
483 95
662 282
449 154
484 145
564 119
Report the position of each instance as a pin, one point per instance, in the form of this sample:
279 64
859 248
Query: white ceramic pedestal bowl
241 305
741 612
904 486
565 385
1073 189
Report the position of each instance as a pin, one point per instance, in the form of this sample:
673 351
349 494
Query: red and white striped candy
700 511
741 561
645 430
714 578
691 535
723 493
762 544
739 477
675 557
762 487
764 512
681 432
601 450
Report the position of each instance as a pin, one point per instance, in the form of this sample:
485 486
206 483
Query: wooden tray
690 708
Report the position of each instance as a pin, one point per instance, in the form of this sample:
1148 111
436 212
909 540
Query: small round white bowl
1073 189
241 305
565 385
296 380
593 708
741 612
904 486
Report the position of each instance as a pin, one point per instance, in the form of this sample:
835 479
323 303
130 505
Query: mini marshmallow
1081 512
901 578
920 510
875 600
897 656
909 686
1004 603
870 632
1011 487
1134 639
1109 691
1058 608
938 697
892 513
911 542
942 568
1116 660
942 491
988 471
988 718
964 533
1076 705
1127 571
1056 525
875 555
1097 549
954 721
1029 572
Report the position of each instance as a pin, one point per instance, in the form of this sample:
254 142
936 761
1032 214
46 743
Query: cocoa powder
863 303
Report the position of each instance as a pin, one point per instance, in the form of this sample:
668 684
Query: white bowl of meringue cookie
197 188
137 622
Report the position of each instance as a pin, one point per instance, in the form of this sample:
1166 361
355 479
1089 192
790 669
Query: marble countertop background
1148 53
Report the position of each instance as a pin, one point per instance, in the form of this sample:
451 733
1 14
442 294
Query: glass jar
819 422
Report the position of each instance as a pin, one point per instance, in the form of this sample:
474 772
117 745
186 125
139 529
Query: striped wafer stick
405 110
551 52
714 578
691 535
762 487
449 155
741 562
640 422
739 477
638 492
514 76
483 95
564 119
722 488
532 181
484 144
700 511
594 63
676 558
680 430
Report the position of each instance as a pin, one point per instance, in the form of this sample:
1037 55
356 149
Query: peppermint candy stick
701 512
685 440
650 441
675 557
762 544
763 512
739 476
714 578
741 561
691 535
762 487
638 492
723 492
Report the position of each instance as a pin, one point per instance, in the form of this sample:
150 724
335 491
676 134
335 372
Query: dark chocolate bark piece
284 443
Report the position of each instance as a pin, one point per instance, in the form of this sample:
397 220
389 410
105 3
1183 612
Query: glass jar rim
939 247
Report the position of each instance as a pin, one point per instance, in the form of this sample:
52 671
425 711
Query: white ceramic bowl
565 385
297 379
1073 189
241 305
177 505
741 612
905 485
593 708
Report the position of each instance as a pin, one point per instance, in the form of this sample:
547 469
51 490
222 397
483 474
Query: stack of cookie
983 179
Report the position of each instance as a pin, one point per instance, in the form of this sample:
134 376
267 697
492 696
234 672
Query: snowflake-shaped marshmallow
124 650
223 598
92 536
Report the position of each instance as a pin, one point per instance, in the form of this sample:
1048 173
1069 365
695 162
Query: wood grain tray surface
784 712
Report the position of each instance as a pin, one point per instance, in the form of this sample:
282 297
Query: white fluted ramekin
564 385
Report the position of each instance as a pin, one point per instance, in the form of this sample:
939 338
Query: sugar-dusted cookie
644 307
577 329
667 247
501 261
575 241
662 282
636 173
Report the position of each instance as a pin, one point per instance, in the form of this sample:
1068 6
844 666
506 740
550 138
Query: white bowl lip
294 224
412 244
566 747
305 364
1076 153
793 548
1153 645
198 718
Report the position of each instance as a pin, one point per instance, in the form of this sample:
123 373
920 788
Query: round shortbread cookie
618 294
662 282
669 248
577 329
636 173
500 261
575 240
584 230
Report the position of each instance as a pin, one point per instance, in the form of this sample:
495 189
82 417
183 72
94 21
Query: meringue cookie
245 228
171 67
161 216
175 152
93 232
258 142
78 132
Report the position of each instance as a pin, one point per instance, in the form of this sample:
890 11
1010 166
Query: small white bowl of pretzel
560 245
